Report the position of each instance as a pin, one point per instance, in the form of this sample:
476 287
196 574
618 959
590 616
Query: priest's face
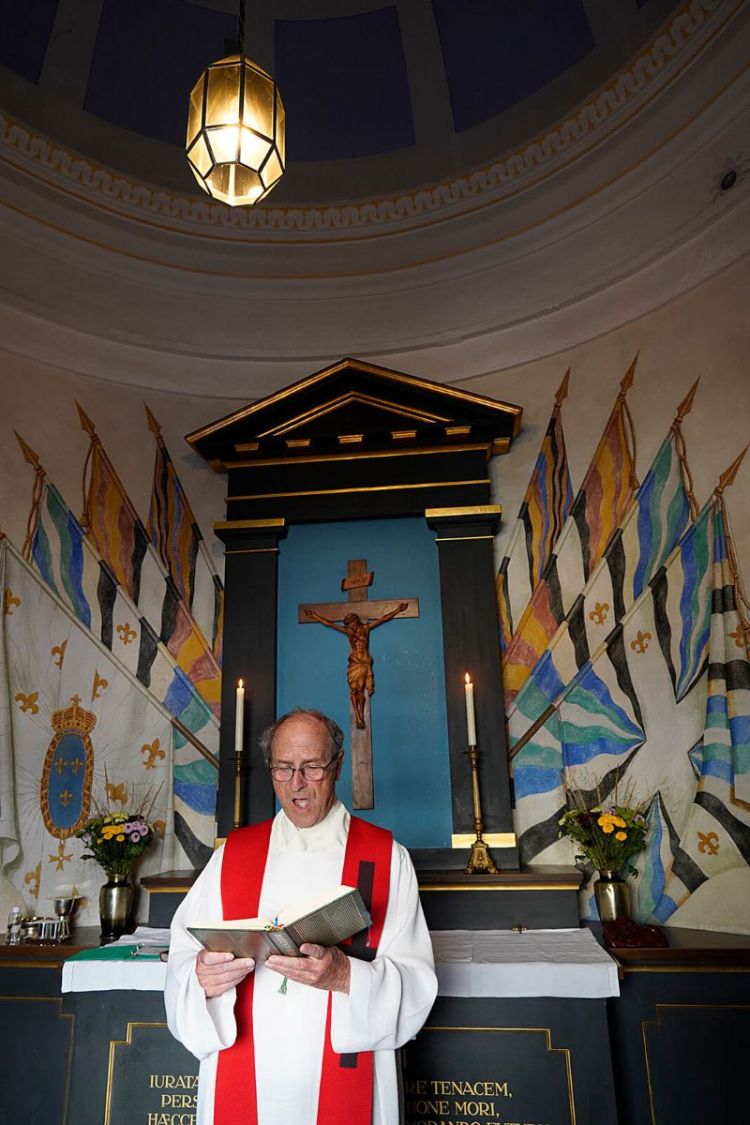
303 741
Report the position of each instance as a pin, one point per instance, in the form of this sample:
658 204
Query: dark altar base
671 1050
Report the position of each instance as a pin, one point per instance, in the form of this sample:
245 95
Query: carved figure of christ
356 618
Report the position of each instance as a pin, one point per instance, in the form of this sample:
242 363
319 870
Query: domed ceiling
379 97
471 184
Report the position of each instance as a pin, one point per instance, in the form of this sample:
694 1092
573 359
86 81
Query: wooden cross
358 617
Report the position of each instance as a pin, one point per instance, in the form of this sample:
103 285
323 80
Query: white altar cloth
533 963
134 973
498 963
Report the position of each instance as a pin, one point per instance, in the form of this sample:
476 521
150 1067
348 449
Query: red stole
346 1080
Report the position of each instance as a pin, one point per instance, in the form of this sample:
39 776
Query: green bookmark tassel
282 988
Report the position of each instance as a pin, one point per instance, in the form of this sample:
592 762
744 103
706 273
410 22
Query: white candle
239 718
471 725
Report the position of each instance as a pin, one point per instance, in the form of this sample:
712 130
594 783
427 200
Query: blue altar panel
410 749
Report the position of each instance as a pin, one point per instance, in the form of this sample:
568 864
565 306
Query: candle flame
467 678
241 683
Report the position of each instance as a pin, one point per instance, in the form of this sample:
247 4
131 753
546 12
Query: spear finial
153 425
629 376
30 456
687 403
727 477
562 390
86 423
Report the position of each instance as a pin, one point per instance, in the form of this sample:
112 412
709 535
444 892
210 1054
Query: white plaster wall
705 332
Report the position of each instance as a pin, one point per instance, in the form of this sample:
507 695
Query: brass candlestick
237 819
480 859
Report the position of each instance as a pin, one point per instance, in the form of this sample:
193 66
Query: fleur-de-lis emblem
153 752
57 652
640 644
160 827
117 792
76 765
28 702
708 843
60 766
65 798
600 613
127 635
739 636
32 878
100 685
9 600
61 858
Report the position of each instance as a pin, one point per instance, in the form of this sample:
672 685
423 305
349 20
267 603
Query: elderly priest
308 1040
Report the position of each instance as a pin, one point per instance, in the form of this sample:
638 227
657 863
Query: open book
326 920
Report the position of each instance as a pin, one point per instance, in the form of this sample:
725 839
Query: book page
301 910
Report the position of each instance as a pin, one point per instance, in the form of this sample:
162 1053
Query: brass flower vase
115 902
612 896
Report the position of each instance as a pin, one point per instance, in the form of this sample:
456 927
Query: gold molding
461 538
659 1007
496 405
22 964
344 491
457 431
171 890
127 1042
294 443
546 1031
499 887
337 457
403 435
239 525
492 839
350 439
500 446
247 446
58 1000
253 551
469 510
686 968
345 399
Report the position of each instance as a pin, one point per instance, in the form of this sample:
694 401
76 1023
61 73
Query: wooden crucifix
358 617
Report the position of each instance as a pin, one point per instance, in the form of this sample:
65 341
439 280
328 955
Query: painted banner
597 512
546 505
650 530
77 733
174 532
122 541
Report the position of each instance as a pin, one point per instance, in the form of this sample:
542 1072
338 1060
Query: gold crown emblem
74 718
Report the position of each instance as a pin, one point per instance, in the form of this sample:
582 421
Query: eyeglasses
309 773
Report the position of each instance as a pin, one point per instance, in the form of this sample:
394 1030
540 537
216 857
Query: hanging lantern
236 131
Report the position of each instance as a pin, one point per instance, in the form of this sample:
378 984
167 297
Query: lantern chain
241 28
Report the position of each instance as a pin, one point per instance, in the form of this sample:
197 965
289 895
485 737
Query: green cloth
115 953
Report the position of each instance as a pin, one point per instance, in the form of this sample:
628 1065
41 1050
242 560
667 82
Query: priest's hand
218 972
319 967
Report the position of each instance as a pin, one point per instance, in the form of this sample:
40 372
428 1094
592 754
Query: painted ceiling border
670 51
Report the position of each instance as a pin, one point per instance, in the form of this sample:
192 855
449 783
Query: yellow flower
608 827
619 821
120 839
621 836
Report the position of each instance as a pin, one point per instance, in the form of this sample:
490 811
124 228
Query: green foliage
607 835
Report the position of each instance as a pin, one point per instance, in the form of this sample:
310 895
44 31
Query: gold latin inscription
443 1101
176 1106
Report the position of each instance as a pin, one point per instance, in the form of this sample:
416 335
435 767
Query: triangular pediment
356 403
